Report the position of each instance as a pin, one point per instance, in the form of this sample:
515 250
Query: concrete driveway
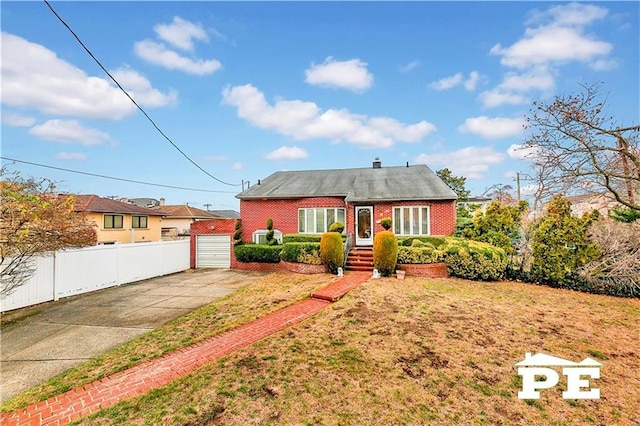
43 341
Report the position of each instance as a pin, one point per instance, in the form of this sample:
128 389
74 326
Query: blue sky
246 89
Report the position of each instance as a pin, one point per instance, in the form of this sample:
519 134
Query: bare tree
574 146
619 260
34 220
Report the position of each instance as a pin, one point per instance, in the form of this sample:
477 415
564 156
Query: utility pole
518 184
207 206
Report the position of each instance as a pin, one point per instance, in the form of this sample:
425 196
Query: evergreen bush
332 251
336 227
237 235
385 253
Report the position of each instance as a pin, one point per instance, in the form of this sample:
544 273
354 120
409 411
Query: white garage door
213 251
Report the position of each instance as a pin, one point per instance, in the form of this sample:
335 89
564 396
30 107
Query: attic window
260 236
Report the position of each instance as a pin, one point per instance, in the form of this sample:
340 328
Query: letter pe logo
537 375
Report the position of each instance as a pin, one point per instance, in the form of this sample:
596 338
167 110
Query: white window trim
315 225
258 232
400 220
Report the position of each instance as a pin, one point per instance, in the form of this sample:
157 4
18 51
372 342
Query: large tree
34 219
576 147
456 183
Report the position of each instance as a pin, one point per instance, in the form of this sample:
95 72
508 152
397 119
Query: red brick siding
284 214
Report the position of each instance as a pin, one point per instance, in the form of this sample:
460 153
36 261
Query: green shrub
301 253
386 223
258 253
474 260
560 244
385 253
418 255
336 227
332 251
270 233
435 241
237 235
301 238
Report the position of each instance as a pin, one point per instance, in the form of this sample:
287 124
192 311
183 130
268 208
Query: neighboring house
474 203
119 222
180 217
229 214
581 204
416 199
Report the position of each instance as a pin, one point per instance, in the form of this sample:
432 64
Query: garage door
213 251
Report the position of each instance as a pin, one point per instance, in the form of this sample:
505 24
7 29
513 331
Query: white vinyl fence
70 272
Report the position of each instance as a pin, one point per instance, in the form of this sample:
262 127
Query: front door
364 225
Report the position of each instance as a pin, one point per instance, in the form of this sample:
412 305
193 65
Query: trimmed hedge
418 255
465 258
301 238
475 260
301 253
258 253
435 241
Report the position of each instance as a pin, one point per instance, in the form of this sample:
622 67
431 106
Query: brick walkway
135 381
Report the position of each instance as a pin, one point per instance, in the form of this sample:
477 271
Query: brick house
307 202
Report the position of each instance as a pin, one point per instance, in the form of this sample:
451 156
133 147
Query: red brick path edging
137 380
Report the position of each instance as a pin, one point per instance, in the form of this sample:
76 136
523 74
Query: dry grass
408 352
248 303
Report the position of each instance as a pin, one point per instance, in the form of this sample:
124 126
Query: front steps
360 259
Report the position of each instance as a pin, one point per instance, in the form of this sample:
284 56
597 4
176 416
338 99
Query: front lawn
417 351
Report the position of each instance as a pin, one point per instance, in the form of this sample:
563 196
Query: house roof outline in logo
544 360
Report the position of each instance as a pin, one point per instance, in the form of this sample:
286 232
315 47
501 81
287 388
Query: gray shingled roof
415 182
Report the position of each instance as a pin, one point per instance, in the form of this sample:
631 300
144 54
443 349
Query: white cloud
571 14
237 166
159 54
287 153
447 82
70 156
457 79
604 64
305 120
180 33
558 39
34 77
17 120
140 89
520 152
471 83
471 162
496 97
351 75
69 131
493 128
536 79
410 66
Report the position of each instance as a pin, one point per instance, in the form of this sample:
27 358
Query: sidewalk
152 374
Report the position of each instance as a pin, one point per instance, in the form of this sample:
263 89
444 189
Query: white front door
364 225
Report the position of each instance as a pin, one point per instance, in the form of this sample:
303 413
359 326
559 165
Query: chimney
162 201
377 164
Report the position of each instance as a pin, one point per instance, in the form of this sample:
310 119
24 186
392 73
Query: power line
132 100
114 178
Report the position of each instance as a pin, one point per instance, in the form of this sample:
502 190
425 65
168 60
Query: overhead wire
132 100
113 177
